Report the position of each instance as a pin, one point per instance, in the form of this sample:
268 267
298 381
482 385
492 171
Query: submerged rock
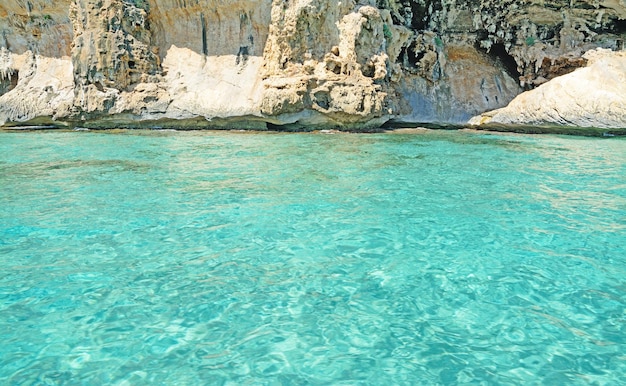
308 64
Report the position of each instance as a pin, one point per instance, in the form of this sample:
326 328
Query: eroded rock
307 63
594 96
338 71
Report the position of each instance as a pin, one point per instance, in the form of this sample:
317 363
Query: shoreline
399 129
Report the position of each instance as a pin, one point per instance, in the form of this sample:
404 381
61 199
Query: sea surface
209 258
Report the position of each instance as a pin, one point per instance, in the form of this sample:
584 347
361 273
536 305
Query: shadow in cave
9 83
498 52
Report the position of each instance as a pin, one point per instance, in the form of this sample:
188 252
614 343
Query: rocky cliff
590 97
302 63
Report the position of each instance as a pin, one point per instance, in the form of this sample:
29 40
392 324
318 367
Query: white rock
594 96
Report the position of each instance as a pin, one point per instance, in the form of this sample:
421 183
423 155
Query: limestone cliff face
111 52
42 27
295 64
594 96
330 64
528 42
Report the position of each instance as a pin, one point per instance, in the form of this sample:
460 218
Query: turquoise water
188 258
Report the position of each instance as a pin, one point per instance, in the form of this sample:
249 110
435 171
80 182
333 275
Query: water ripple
223 258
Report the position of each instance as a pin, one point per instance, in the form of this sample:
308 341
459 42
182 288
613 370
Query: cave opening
418 11
408 57
322 99
498 52
418 21
619 26
9 83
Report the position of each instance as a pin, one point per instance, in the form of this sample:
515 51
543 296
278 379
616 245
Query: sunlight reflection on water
216 258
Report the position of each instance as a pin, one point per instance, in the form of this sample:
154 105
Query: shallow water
233 258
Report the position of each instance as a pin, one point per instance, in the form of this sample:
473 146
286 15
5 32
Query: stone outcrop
330 68
594 96
111 51
37 88
302 64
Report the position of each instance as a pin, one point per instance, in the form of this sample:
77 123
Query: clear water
231 258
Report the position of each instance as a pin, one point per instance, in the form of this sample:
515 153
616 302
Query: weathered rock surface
329 65
37 89
42 27
594 96
301 64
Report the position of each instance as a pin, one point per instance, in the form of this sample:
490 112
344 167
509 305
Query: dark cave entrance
498 52
619 28
408 57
